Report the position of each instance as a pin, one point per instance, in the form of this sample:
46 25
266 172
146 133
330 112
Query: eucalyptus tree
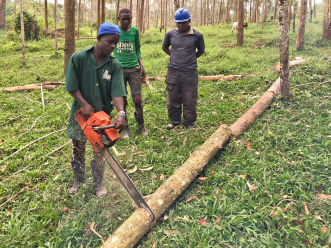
302 25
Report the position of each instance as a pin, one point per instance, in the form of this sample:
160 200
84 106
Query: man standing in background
128 53
187 45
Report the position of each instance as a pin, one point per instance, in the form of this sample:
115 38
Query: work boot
126 132
97 172
142 130
79 172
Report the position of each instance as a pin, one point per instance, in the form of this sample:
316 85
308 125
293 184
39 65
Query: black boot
98 170
79 172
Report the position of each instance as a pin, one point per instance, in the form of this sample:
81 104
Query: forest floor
285 155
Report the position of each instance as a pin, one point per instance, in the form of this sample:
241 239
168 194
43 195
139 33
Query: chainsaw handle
105 127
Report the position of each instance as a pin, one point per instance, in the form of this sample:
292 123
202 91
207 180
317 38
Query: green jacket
98 84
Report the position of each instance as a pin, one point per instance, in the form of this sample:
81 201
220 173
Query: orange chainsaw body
98 119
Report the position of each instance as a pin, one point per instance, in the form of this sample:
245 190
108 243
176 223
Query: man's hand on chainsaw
87 110
120 122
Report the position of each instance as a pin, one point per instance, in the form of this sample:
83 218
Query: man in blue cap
94 79
187 45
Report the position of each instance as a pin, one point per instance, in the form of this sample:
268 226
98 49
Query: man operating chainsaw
94 79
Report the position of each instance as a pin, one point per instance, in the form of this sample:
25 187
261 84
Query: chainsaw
101 133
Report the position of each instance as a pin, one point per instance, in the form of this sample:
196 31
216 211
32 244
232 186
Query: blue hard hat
182 15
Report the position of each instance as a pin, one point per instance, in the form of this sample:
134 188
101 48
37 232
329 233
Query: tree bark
55 27
326 34
103 12
264 11
69 21
117 10
78 17
141 16
162 15
283 48
310 11
147 10
98 14
165 16
227 14
289 13
214 9
275 11
240 27
314 9
302 24
2 14
22 33
295 8
130 6
176 4
46 15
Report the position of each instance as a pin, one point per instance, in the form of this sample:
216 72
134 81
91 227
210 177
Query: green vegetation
287 157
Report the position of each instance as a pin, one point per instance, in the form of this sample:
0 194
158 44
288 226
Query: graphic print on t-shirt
125 47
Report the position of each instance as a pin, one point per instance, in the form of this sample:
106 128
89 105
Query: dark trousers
132 76
182 90
78 161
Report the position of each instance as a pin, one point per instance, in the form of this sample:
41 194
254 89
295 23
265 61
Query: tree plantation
219 135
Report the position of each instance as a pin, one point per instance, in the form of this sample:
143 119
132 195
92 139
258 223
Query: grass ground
287 158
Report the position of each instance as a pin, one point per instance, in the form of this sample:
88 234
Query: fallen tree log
46 85
291 64
130 232
135 227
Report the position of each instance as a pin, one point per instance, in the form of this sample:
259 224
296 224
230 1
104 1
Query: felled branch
46 85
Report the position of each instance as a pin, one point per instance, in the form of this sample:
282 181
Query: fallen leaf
306 208
323 196
146 168
154 176
257 153
190 198
324 229
166 232
165 217
203 222
184 141
133 170
92 225
244 176
211 173
162 138
287 207
117 202
3 168
317 217
278 152
83 195
285 196
248 146
202 178
214 113
65 209
251 187
119 218
218 219
161 177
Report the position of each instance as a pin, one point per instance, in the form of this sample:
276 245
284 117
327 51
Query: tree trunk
275 11
214 9
283 48
240 27
103 12
117 10
264 12
55 27
257 10
98 14
165 16
326 34
2 14
78 17
22 33
310 11
147 9
220 16
314 9
137 14
141 15
130 6
176 4
227 14
46 15
162 15
302 24
69 22
295 8
289 13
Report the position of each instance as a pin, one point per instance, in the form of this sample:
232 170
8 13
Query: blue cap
182 15
108 28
